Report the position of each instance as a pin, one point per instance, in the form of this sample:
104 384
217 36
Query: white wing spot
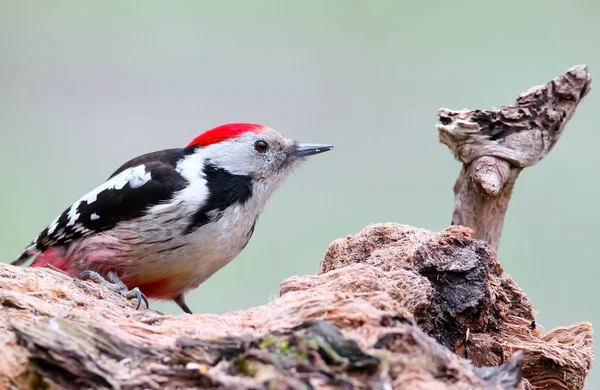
139 177
196 193
94 217
135 176
81 229
73 214
53 225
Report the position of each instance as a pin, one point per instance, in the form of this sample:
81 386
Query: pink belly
87 255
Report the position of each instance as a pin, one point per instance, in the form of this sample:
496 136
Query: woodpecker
164 222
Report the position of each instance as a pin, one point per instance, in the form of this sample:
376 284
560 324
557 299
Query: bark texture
391 307
495 145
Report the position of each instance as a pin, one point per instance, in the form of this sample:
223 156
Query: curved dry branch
495 145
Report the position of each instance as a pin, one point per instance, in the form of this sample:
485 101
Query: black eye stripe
261 146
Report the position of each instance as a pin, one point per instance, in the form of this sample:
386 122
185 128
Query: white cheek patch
237 156
196 193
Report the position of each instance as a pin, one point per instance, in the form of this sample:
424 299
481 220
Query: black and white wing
141 183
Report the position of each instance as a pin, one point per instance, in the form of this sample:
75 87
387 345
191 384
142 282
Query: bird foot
115 284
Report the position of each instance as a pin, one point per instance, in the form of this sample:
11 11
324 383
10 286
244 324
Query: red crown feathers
224 132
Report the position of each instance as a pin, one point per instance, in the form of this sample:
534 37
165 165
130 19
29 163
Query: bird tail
27 253
55 256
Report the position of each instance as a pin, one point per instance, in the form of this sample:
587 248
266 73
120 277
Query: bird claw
115 284
137 294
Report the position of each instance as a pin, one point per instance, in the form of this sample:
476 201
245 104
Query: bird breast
158 250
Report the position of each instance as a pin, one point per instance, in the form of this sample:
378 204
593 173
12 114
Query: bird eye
261 146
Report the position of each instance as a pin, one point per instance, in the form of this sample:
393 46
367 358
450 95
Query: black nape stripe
224 189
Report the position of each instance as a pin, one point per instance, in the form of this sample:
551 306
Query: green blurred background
84 86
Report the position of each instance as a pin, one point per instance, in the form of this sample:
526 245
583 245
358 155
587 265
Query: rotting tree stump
392 307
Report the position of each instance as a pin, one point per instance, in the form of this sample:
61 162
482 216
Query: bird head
254 150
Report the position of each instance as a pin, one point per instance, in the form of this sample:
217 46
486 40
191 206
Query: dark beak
303 150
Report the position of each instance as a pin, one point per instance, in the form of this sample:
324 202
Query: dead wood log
386 310
391 307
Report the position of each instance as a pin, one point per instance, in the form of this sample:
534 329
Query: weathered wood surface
387 309
496 145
